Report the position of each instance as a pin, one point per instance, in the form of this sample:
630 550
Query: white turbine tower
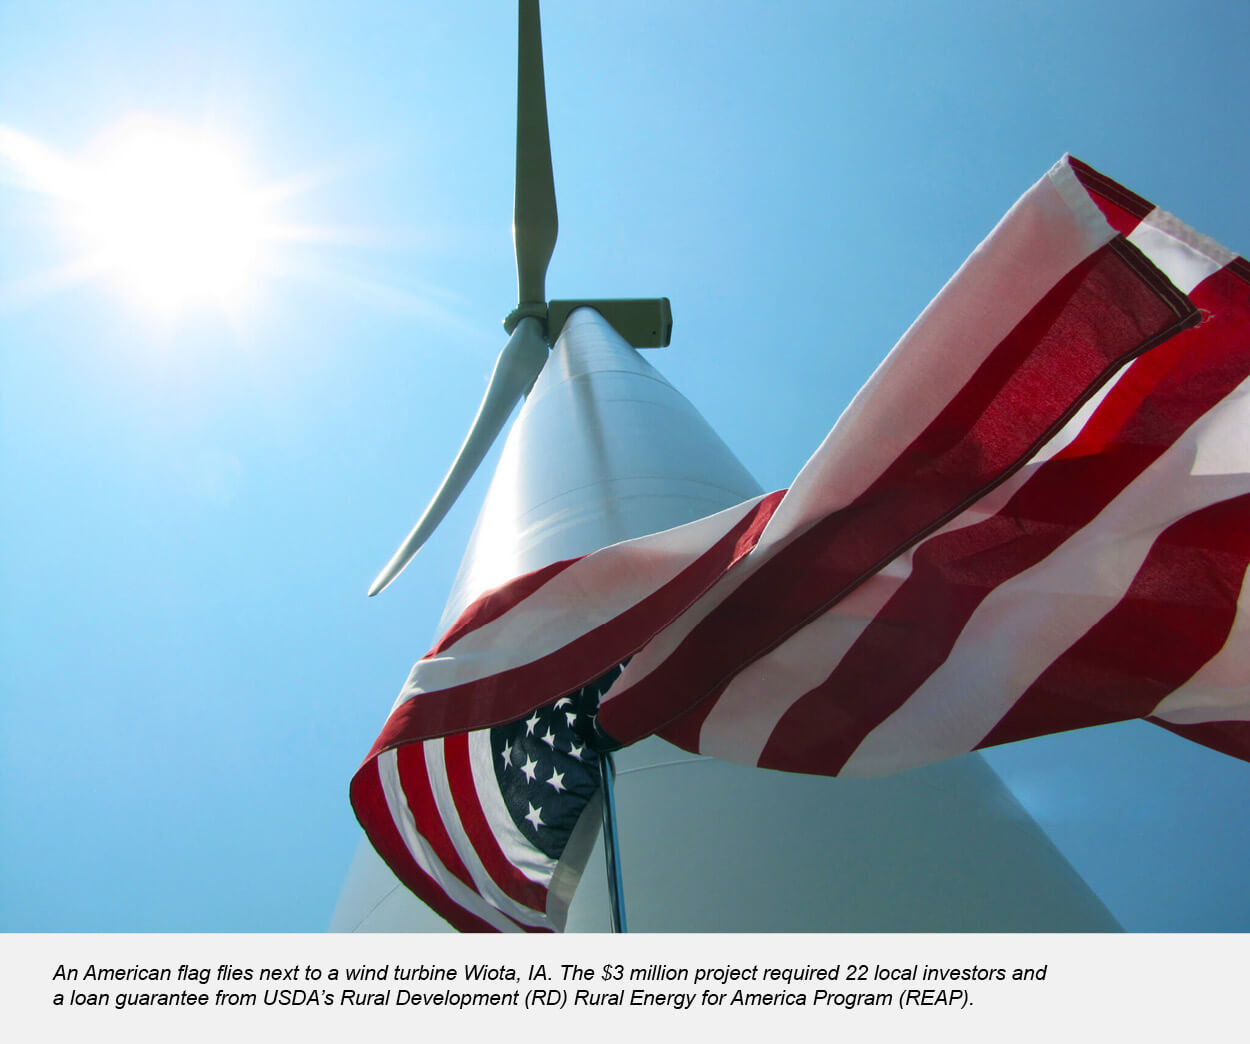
605 449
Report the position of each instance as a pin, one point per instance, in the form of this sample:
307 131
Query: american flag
1034 517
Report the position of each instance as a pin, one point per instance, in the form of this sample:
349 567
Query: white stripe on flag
437 768
1186 257
1217 692
745 714
519 852
1225 450
423 854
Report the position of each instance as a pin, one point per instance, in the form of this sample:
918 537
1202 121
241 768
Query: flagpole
611 843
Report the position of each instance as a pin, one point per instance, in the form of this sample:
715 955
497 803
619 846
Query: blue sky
196 502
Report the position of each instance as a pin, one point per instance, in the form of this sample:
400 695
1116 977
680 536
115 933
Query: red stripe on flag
1110 308
464 790
1175 616
374 815
1228 737
414 778
1122 209
494 603
953 573
511 694
683 731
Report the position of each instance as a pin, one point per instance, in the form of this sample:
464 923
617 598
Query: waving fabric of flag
1034 517
491 828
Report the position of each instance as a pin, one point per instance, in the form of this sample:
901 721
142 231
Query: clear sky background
197 496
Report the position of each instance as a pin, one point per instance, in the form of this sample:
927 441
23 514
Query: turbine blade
515 371
534 222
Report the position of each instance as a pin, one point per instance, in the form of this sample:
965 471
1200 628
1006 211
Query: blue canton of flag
547 766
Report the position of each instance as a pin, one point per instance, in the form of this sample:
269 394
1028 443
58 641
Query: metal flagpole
612 843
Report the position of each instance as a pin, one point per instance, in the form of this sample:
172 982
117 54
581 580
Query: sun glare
166 212
163 211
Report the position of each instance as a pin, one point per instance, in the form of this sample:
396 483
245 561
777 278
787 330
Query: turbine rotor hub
526 310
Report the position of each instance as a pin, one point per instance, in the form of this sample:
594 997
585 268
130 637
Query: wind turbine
605 449
533 324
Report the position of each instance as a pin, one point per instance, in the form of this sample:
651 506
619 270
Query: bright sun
166 212
163 211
